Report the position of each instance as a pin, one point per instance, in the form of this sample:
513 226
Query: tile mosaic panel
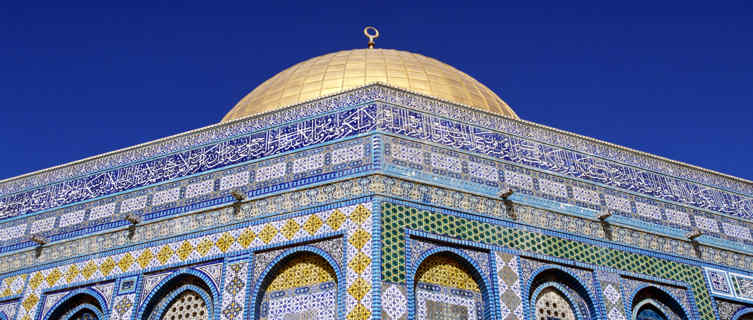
558 159
309 302
394 302
611 295
12 285
727 309
444 303
585 199
123 307
237 150
729 284
157 202
234 292
630 285
390 95
508 286
191 248
396 217
8 308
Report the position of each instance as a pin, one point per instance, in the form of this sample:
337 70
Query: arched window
652 303
185 297
556 294
78 305
552 304
447 288
301 286
650 311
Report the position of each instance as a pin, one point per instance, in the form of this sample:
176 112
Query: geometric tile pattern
612 295
394 303
234 292
719 282
357 218
396 217
13 285
508 282
629 286
309 302
727 309
442 303
123 307
447 272
9 309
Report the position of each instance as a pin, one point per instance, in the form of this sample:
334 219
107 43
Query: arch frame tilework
561 289
150 298
68 296
742 312
257 294
635 292
485 286
652 302
590 295
175 293
86 306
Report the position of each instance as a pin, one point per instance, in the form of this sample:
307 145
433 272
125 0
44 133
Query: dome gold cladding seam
339 71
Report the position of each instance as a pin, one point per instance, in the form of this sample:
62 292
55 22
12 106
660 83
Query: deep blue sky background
673 78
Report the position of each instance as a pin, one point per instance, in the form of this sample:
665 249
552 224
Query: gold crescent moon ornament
371 35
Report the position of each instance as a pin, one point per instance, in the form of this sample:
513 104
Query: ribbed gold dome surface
343 70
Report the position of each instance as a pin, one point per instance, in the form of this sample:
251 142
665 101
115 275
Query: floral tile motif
234 292
613 301
394 302
123 307
9 309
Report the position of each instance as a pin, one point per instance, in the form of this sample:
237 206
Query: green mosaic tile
396 217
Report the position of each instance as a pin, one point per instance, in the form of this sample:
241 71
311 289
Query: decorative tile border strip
258 145
292 170
464 137
192 248
370 93
398 216
432 164
369 185
730 284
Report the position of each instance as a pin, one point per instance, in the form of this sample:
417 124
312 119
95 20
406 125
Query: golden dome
343 70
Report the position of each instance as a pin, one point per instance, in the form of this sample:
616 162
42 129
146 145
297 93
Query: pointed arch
265 277
656 294
158 300
83 308
467 262
743 312
76 298
571 286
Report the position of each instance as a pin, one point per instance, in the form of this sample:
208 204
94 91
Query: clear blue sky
673 78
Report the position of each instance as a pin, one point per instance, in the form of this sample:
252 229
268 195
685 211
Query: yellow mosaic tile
359 312
184 250
313 224
30 302
36 280
224 242
359 288
53 277
336 219
359 238
360 214
89 270
71 273
268 233
360 262
107 266
6 292
303 270
164 254
290 229
145 258
446 271
246 238
125 262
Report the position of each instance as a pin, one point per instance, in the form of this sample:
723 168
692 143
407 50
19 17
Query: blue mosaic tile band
255 146
559 160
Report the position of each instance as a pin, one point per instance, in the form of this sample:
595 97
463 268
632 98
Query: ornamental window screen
552 305
187 306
